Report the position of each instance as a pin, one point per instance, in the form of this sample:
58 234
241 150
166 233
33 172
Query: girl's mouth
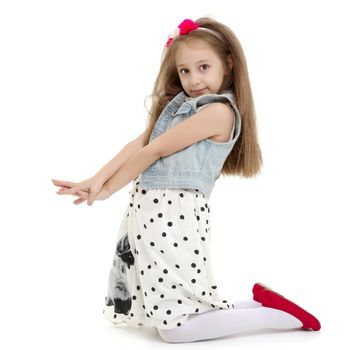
198 91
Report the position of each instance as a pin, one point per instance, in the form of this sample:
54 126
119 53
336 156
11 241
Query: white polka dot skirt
161 272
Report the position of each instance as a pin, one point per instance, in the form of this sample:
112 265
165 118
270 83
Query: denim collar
226 92
183 103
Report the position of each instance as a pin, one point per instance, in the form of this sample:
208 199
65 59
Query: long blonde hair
245 158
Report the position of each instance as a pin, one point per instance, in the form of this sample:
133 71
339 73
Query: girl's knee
171 335
164 334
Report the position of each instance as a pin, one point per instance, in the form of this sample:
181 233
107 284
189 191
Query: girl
201 125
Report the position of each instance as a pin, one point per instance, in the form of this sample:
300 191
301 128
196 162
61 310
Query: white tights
247 315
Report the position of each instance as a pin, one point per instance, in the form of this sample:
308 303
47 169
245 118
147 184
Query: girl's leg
246 304
220 323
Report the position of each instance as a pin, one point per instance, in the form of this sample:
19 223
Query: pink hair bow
185 27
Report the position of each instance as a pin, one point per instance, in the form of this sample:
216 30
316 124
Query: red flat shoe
274 300
257 289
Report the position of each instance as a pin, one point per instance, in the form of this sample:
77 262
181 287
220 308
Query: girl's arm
210 121
119 160
133 167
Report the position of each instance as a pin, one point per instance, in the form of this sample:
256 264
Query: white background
73 79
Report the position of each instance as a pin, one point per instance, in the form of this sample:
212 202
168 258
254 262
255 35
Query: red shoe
257 289
274 300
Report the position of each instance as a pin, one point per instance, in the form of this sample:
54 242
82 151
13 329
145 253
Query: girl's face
200 69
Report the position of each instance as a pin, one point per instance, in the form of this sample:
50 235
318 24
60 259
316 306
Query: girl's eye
186 70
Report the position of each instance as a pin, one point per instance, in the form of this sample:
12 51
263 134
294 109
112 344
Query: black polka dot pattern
161 272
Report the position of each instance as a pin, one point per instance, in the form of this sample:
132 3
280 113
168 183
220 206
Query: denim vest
198 165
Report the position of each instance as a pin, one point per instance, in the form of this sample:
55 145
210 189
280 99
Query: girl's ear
229 63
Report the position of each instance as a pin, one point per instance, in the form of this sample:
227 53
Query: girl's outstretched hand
88 190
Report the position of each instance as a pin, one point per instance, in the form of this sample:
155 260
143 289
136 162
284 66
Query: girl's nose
194 79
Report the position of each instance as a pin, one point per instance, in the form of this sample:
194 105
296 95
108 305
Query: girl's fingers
83 194
63 183
79 200
63 186
62 189
68 188
73 190
65 189
80 193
